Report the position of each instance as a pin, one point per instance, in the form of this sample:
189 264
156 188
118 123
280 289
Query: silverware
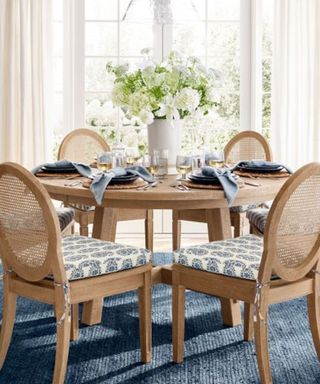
148 186
252 184
72 184
179 186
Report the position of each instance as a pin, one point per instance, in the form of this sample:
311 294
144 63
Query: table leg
104 228
105 223
219 228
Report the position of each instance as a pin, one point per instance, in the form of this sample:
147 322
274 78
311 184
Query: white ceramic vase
165 134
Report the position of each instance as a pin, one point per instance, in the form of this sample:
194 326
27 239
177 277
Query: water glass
184 165
198 161
163 155
104 161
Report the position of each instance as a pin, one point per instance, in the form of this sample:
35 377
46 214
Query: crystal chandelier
160 11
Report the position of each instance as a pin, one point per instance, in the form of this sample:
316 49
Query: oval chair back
292 234
82 145
30 242
247 145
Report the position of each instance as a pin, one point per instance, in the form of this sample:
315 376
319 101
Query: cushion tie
66 291
257 301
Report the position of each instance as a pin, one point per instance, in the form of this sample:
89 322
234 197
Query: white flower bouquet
173 89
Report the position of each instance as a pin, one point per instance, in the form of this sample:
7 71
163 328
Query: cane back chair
40 265
246 145
82 145
282 266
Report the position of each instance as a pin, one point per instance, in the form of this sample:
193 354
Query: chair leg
178 321
314 318
8 318
148 224
63 339
74 331
145 323
176 231
261 341
84 224
248 322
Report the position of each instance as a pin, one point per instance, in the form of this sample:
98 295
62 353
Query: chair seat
242 208
258 218
238 257
65 216
87 257
83 207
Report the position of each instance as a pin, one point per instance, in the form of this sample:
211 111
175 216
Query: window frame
74 61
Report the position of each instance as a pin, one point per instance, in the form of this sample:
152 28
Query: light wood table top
163 196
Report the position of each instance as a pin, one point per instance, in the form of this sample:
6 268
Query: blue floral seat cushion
82 207
238 257
65 216
258 218
242 208
87 257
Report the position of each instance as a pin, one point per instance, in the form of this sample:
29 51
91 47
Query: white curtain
295 128
25 49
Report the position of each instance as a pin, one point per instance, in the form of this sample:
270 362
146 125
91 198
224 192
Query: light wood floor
162 242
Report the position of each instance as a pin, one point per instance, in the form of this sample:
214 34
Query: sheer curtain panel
296 82
25 52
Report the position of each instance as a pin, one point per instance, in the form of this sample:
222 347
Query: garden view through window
213 35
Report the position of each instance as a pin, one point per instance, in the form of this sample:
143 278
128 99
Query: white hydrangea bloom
187 99
118 95
146 116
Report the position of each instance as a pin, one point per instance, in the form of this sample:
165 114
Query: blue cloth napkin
226 179
266 165
100 181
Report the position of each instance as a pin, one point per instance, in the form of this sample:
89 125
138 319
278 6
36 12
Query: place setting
108 170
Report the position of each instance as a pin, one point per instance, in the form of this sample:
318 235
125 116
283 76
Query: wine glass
215 159
104 161
132 156
151 163
184 165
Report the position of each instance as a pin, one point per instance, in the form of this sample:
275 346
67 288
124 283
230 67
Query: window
57 60
215 36
266 65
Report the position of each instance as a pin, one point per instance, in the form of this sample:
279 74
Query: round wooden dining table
162 196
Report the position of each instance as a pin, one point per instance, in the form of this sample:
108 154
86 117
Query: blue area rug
109 353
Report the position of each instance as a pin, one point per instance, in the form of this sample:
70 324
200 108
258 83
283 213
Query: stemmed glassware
183 165
104 161
132 155
215 159
151 163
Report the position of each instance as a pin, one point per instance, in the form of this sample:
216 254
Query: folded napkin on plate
101 180
226 179
83 169
262 165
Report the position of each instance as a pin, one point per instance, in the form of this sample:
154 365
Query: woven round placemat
58 175
135 184
190 184
271 175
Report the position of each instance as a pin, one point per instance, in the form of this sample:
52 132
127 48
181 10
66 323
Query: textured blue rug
109 353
